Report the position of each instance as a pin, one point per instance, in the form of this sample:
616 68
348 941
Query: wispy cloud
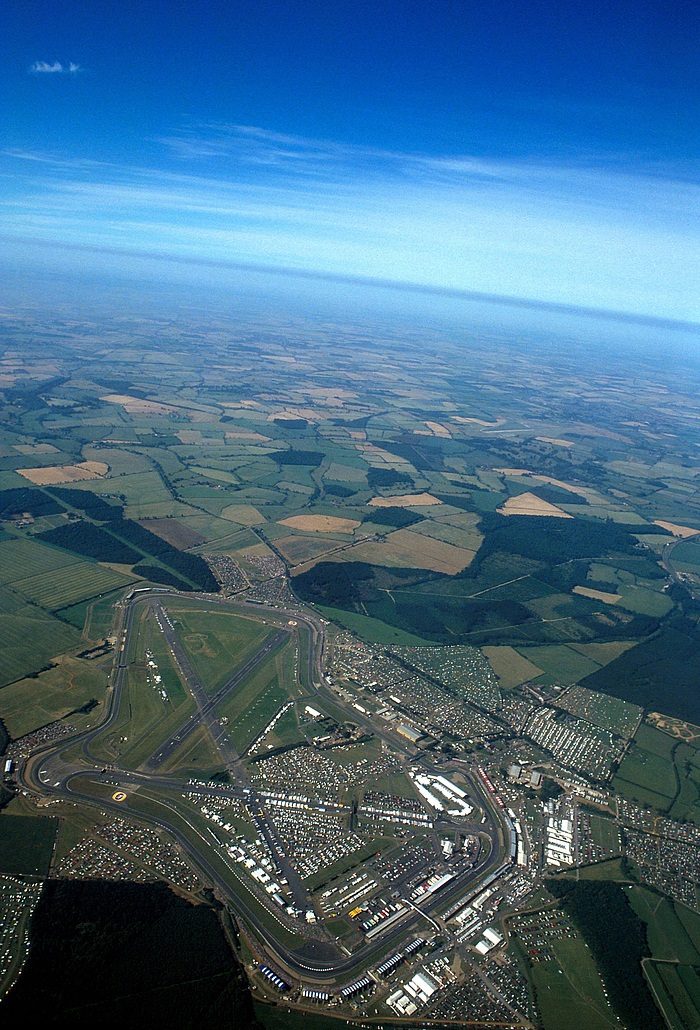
604 233
54 68
264 149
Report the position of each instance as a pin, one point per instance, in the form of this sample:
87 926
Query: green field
30 639
645 602
372 630
30 703
662 771
651 772
561 663
253 705
38 576
673 931
21 558
569 992
612 869
143 491
26 844
510 666
147 719
287 730
647 772
196 756
69 585
395 783
93 616
673 972
677 990
150 638
687 802
605 834
217 642
686 556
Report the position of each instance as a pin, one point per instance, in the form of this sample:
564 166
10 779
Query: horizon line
529 303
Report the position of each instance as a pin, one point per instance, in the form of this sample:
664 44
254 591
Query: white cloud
55 68
600 233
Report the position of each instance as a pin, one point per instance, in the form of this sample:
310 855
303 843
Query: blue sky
543 151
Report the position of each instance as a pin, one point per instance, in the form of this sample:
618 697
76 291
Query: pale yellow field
555 441
244 514
461 535
137 405
290 414
320 523
306 550
378 456
35 448
598 595
476 421
592 496
530 504
65 473
682 531
674 727
246 434
510 667
333 396
254 551
404 549
405 501
437 429
604 653
140 406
